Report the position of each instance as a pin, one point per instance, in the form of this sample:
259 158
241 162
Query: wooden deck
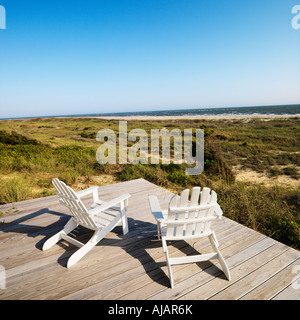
133 266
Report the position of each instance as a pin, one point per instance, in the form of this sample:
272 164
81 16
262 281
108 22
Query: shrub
271 211
285 230
172 167
179 178
15 190
291 171
88 135
273 172
151 173
16 139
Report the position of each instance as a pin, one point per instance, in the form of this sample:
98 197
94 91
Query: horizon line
86 115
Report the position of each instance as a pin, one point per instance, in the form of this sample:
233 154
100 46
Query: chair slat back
191 215
72 202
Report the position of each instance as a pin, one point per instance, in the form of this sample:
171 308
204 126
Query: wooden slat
133 275
193 259
192 214
291 292
72 240
273 286
216 287
187 280
260 274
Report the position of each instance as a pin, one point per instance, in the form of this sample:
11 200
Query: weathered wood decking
133 266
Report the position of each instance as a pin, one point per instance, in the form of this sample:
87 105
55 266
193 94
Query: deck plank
260 266
273 286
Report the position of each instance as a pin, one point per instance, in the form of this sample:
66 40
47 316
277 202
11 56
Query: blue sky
94 56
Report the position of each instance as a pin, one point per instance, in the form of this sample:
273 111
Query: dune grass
34 151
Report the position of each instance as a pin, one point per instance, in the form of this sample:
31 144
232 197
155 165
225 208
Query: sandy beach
195 117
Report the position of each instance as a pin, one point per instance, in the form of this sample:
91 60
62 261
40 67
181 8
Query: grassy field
253 165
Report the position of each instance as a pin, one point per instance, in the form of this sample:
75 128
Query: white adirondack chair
102 217
189 219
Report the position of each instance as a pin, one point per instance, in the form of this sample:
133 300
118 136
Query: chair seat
103 219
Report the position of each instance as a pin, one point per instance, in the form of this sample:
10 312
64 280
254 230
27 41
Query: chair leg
70 226
124 217
164 243
224 265
215 245
80 253
158 230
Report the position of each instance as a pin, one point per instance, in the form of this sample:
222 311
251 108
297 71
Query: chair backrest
72 201
191 216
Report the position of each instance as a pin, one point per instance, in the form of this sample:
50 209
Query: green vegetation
274 211
260 145
16 139
34 151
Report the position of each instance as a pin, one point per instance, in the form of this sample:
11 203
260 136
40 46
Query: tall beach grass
66 149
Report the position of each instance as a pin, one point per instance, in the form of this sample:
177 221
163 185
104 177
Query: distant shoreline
184 117
196 117
276 111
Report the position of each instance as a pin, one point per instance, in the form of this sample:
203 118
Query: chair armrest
218 211
155 209
109 204
93 190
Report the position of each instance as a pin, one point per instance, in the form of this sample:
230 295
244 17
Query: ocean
262 110
232 111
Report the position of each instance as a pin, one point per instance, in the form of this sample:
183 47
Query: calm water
263 110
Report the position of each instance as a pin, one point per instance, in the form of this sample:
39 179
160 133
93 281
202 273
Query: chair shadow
142 236
33 231
138 230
